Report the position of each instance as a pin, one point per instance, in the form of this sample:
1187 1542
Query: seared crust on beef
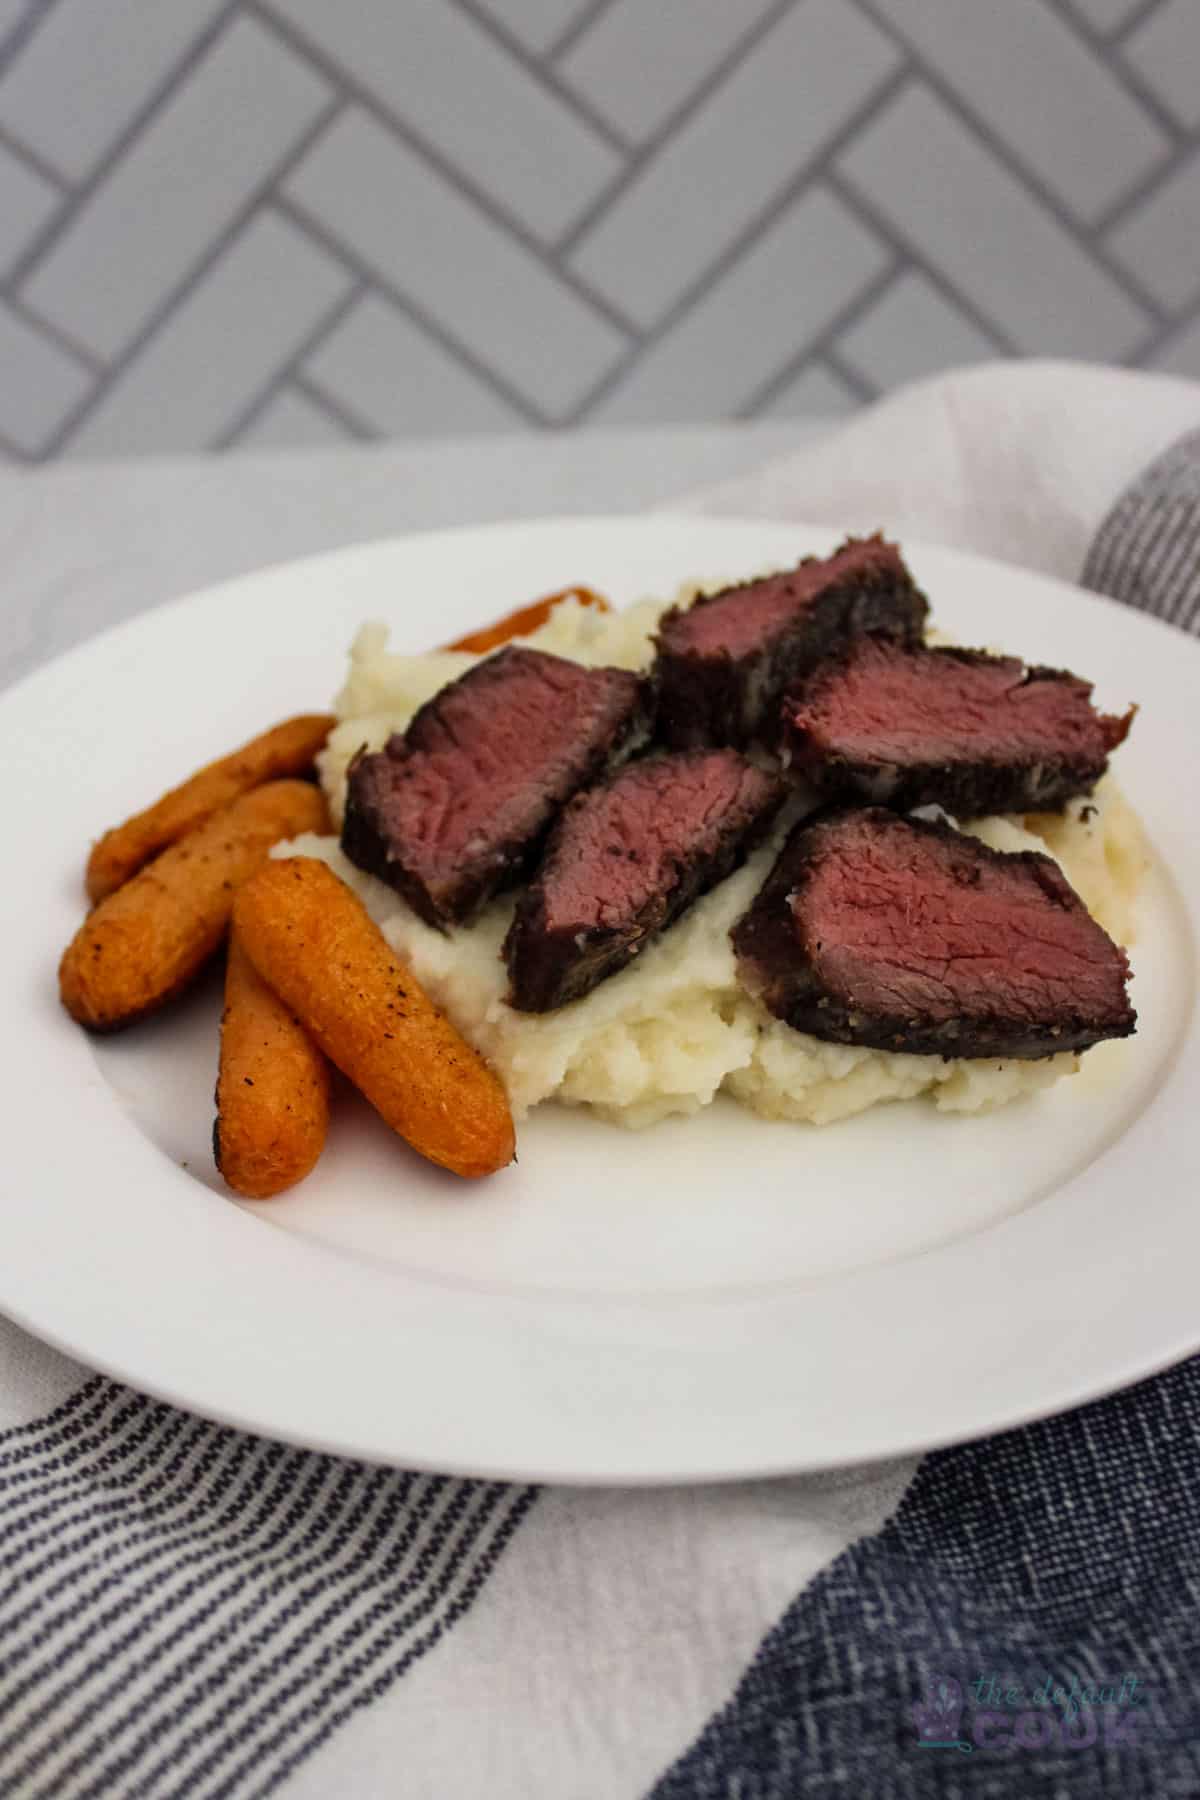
897 934
725 661
962 729
456 808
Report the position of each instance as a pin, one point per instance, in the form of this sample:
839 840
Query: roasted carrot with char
272 1088
146 942
286 749
312 940
524 620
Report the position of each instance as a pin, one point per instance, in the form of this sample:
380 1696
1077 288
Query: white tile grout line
370 102
667 128
1101 37
337 408
580 25
82 192
1144 190
1161 335
819 346
1077 231
915 259
37 162
291 367
412 309
543 74
1122 71
13 44
811 175
831 358
168 304
1165 323
56 335
827 363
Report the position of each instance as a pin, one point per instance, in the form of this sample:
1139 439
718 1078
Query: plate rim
1071 1391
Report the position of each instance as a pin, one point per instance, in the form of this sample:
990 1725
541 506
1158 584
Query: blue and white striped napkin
189 1611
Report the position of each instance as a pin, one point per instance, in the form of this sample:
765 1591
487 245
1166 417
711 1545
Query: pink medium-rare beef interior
736 621
885 702
903 935
939 931
725 662
620 845
626 859
473 758
455 806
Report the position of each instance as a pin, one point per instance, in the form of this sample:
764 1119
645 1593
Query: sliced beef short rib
724 662
456 807
625 860
896 934
961 729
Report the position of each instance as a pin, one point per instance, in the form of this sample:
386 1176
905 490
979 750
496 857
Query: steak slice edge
966 730
456 807
724 662
625 860
899 934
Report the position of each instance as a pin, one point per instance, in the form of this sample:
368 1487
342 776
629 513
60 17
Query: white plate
713 1298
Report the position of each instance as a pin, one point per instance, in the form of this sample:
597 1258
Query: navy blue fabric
1068 1550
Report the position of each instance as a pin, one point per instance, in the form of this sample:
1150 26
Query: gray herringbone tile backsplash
297 221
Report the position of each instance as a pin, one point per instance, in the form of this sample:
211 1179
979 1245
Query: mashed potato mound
674 1029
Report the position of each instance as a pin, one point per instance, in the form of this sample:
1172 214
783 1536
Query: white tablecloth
85 545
